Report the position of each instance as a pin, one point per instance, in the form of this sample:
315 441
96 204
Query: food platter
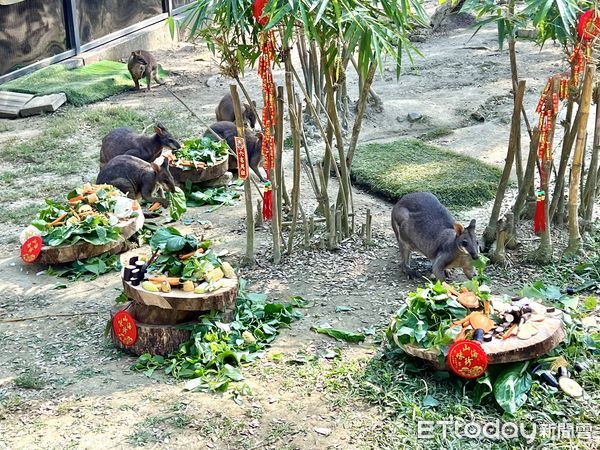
200 174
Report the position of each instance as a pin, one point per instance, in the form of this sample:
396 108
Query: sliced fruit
526 331
150 286
188 286
228 270
570 387
468 299
537 317
480 320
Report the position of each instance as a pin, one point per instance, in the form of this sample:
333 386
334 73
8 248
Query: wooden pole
239 121
489 235
586 97
589 196
275 176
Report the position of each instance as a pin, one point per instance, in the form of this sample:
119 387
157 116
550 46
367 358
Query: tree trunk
515 82
489 235
586 98
275 177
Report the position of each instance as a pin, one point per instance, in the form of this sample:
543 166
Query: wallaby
228 131
422 223
142 64
138 178
225 112
124 141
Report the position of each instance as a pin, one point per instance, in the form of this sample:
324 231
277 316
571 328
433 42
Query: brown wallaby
422 223
228 131
225 112
137 178
142 64
124 141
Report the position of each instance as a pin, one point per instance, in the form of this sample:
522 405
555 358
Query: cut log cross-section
200 175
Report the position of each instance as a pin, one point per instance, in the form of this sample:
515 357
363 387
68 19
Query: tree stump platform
513 349
200 175
67 253
158 315
153 339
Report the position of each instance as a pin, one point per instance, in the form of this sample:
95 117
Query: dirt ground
91 399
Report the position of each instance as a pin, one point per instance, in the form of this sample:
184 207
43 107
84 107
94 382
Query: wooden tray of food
549 333
200 174
71 252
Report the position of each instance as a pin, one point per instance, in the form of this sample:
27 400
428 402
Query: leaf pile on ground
215 351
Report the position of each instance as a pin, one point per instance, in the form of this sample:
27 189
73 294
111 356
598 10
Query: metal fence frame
75 41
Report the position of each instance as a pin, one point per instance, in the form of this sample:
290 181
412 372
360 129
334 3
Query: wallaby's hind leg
404 251
137 83
148 80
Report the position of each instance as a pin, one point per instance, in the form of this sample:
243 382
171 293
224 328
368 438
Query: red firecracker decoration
467 359
258 8
124 327
269 113
31 248
539 221
268 201
588 26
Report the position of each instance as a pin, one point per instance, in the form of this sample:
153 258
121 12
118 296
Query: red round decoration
258 7
31 248
588 26
125 328
467 359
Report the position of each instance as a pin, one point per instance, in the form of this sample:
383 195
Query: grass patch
436 134
30 379
82 85
410 165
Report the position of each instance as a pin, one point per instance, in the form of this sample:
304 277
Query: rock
223 180
414 117
400 119
323 431
478 116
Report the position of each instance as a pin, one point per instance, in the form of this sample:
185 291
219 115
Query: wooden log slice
81 250
222 299
550 333
153 339
199 175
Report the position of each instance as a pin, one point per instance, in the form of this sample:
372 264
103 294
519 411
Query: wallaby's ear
472 225
458 228
133 54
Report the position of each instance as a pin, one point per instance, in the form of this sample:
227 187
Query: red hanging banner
467 359
125 328
31 248
242 157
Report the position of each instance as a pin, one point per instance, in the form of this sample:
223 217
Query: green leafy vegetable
87 269
201 151
177 203
511 387
340 335
212 356
426 319
210 196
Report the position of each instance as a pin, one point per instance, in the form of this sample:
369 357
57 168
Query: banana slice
526 331
570 387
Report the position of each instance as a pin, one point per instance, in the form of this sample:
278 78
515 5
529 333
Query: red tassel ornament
268 201
539 222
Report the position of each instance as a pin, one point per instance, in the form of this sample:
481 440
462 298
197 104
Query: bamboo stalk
237 107
586 98
544 251
275 176
592 180
368 231
296 143
489 235
528 177
362 103
372 93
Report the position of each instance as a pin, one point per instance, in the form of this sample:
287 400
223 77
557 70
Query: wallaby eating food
142 64
138 178
225 112
228 131
124 141
422 223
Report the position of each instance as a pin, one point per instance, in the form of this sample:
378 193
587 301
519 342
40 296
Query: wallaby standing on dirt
142 64
138 178
225 112
124 141
228 131
422 223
